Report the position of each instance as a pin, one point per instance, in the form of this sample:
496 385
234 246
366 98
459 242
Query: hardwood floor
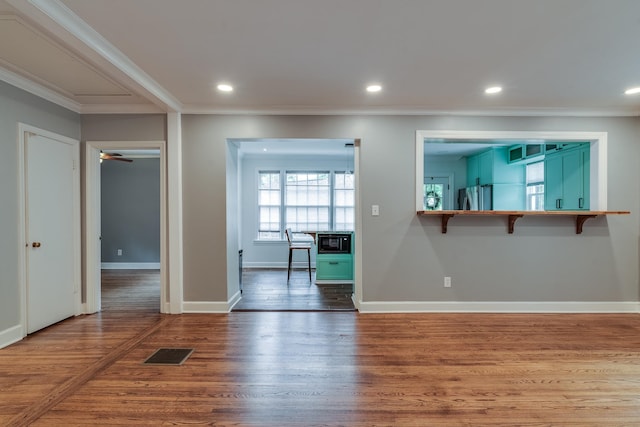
136 290
289 368
267 289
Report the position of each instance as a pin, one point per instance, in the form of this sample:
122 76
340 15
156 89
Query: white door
50 230
436 193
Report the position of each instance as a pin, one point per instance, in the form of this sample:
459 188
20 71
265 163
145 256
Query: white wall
274 254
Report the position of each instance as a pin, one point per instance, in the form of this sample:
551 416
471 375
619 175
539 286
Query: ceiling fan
113 156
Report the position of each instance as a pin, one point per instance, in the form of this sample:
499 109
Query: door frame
93 220
233 246
23 131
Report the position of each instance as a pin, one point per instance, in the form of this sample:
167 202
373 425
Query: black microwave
334 243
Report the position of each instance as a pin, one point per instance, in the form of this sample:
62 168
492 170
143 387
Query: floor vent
169 356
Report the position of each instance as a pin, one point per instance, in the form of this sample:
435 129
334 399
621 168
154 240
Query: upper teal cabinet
567 178
473 171
485 167
526 153
492 167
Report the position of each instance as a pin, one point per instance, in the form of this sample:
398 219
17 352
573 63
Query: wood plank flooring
131 290
315 368
267 289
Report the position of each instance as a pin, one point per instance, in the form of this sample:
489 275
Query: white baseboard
209 306
279 265
10 336
130 266
498 307
234 300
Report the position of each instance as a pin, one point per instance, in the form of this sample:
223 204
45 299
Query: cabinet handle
557 203
581 202
333 262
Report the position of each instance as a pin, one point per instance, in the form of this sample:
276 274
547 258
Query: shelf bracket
580 219
512 222
445 220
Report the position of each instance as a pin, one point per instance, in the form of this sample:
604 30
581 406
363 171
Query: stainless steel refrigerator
476 198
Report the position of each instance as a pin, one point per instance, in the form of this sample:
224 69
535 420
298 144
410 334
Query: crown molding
39 90
73 24
404 111
121 109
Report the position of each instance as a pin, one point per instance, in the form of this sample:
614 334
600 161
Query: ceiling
569 57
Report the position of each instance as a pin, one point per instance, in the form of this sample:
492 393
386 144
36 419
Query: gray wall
124 127
130 210
405 257
18 106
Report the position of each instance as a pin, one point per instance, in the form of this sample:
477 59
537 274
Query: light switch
375 210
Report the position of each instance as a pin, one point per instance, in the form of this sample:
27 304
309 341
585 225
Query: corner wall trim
10 336
499 307
210 306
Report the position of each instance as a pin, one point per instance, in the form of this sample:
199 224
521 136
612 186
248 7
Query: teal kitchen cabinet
334 268
566 179
473 171
485 167
480 168
492 167
334 257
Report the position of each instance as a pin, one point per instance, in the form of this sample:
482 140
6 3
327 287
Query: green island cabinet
492 167
335 268
566 179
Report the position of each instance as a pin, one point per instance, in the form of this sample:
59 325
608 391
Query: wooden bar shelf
513 216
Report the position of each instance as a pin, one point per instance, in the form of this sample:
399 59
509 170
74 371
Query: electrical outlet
375 210
447 282
119 252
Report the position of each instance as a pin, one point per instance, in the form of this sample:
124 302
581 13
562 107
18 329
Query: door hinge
74 164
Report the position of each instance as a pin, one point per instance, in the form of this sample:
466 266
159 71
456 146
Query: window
269 196
535 186
308 200
343 201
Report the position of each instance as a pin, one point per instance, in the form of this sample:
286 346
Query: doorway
313 169
127 274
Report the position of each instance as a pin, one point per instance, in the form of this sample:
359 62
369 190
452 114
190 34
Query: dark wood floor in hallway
268 289
288 368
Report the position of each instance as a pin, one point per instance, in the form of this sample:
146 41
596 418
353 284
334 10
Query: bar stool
297 245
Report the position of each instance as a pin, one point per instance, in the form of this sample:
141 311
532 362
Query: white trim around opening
598 154
92 220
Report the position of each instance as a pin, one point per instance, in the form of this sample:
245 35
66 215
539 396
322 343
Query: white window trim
598 155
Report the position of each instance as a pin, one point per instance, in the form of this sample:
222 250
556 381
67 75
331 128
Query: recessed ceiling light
632 91
493 90
374 88
223 87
